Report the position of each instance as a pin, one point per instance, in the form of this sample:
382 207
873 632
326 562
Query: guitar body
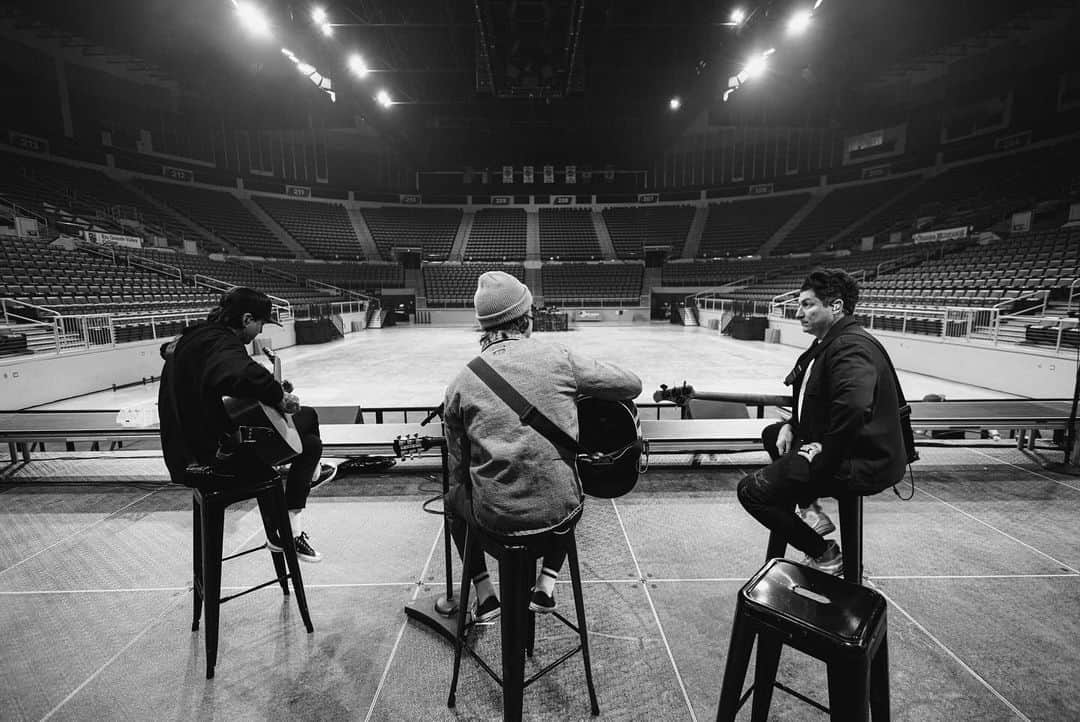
609 434
272 434
279 442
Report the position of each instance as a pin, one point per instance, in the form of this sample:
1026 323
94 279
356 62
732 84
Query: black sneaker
542 603
305 551
325 473
489 610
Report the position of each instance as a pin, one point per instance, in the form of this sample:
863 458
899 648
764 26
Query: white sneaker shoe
817 520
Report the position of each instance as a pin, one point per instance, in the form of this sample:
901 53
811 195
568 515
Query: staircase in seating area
40 339
457 251
363 234
607 248
375 317
1014 329
792 223
689 316
274 227
697 227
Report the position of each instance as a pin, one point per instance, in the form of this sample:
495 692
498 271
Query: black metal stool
212 492
840 623
517 572
851 524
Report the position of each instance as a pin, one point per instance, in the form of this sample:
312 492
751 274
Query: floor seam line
656 615
1028 471
85 529
401 630
999 531
978 677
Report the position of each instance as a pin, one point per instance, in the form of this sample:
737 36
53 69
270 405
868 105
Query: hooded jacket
851 407
519 482
204 363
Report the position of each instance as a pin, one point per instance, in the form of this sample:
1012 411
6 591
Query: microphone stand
441 615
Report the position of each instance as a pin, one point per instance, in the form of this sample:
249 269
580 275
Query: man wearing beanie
505 476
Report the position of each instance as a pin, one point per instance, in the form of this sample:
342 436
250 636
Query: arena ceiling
538 80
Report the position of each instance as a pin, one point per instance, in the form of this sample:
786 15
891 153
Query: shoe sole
275 549
821 529
489 617
534 607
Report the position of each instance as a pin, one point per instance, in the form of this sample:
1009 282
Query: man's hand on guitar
784 439
289 404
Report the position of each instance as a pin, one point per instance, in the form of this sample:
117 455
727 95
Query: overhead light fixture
675 103
327 30
383 99
754 68
799 22
737 16
252 17
357 66
288 54
305 68
318 14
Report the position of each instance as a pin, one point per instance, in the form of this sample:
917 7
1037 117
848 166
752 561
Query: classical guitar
274 438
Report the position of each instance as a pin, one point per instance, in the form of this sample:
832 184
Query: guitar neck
744 398
277 369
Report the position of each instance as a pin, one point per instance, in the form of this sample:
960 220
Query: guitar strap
526 412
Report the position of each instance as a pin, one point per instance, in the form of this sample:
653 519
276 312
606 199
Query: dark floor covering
981 570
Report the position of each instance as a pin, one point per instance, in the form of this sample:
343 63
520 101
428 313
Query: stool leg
583 632
849 691
777 546
213 525
879 682
851 527
738 658
277 502
463 606
278 559
514 576
768 660
196 561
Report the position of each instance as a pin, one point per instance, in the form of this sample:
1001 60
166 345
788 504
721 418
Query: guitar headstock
412 445
678 395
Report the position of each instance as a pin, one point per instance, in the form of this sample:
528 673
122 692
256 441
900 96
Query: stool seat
213 490
836 621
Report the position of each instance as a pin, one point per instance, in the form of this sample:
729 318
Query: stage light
318 15
383 98
305 69
755 67
327 30
358 67
253 19
675 103
737 16
818 4
289 54
799 22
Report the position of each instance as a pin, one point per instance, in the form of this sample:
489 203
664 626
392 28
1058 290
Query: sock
546 581
294 521
315 474
484 587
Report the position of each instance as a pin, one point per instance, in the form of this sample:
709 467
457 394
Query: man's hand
784 439
290 404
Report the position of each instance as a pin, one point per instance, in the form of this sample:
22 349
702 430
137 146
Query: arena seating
220 213
570 284
721 272
981 193
241 273
324 229
568 234
740 228
368 278
838 210
631 228
78 282
453 284
497 234
984 275
432 229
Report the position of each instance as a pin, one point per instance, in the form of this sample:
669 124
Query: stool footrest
246 551
276 580
800 695
551 666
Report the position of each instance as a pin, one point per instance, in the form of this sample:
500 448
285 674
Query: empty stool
840 623
517 571
851 523
212 493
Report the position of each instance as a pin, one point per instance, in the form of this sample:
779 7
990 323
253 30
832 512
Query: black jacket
851 408
203 364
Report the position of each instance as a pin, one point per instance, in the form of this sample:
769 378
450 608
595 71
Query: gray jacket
517 480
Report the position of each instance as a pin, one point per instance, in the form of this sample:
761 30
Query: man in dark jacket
208 361
844 435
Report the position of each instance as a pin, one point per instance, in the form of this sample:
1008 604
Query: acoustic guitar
612 453
413 445
272 434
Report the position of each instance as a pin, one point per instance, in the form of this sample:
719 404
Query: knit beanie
500 298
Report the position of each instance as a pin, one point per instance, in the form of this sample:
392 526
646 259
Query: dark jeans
302 467
459 508
770 496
